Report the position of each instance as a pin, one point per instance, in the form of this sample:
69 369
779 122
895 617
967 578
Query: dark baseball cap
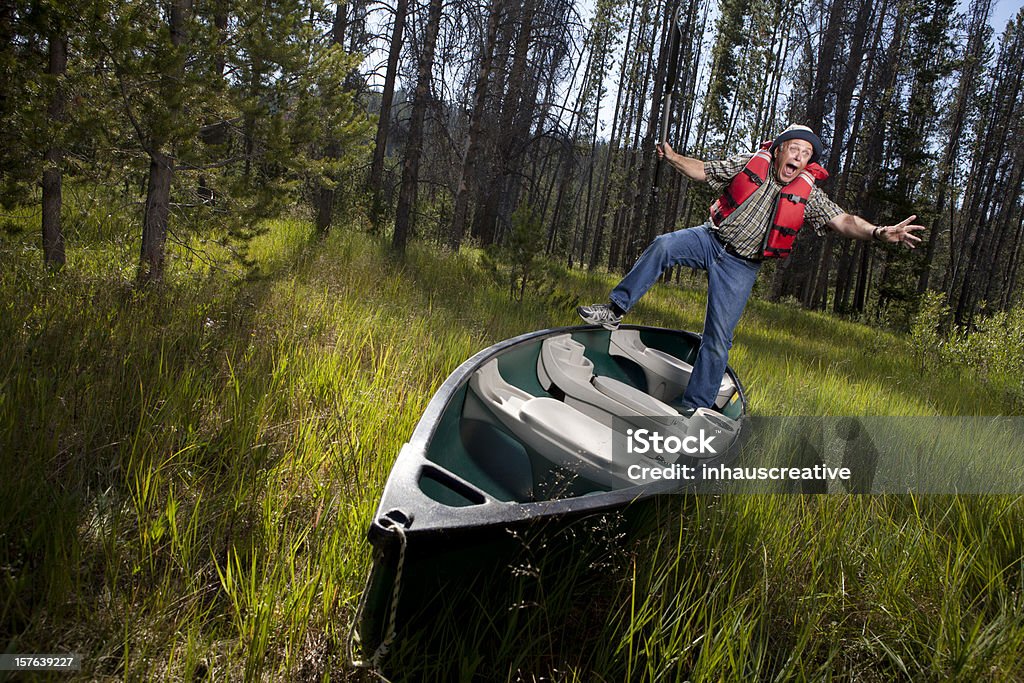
798 132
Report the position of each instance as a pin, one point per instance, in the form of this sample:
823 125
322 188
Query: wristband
874 233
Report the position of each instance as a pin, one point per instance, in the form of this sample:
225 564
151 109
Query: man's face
791 157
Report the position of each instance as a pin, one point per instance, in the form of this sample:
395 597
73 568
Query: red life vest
789 211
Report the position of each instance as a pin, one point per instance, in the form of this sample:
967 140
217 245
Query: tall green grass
190 471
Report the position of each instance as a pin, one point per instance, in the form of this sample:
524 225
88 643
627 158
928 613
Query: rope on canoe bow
382 650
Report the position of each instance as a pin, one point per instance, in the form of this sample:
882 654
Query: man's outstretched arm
688 166
857 228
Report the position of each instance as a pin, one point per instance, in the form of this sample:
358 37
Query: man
766 198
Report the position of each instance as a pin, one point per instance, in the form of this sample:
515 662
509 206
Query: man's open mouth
791 168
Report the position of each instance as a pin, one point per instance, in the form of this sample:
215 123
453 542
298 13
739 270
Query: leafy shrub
926 328
994 347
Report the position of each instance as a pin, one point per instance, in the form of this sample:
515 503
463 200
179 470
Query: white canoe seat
667 376
562 365
629 395
561 423
555 430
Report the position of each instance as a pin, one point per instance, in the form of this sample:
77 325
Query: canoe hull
464 492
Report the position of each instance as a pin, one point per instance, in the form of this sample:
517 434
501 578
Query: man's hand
691 168
901 233
855 227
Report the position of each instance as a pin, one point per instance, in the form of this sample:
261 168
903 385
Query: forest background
528 125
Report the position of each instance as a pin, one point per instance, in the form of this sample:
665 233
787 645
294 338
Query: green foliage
25 33
995 346
433 215
602 39
927 326
993 349
818 588
727 75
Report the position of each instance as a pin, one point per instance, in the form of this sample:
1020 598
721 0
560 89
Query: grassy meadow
189 473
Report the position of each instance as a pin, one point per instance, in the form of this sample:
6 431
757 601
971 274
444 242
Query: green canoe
532 430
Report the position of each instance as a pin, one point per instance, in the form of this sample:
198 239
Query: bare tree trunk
988 189
414 148
514 124
384 117
486 203
355 26
1015 259
644 208
811 253
467 176
1005 230
819 294
847 258
325 199
595 253
966 88
844 283
627 230
563 189
800 270
860 294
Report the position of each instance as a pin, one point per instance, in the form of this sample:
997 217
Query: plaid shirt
745 228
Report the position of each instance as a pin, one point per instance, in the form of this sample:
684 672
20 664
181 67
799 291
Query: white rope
382 650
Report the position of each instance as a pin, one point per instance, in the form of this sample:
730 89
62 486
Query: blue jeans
730 280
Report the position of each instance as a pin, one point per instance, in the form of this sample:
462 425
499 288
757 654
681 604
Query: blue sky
1004 9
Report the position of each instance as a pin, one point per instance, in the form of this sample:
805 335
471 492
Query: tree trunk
987 190
799 273
384 117
847 260
819 294
161 166
516 115
1015 259
414 148
1010 177
644 206
595 252
467 175
155 218
325 199
996 256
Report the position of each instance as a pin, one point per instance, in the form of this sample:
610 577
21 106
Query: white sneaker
600 314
